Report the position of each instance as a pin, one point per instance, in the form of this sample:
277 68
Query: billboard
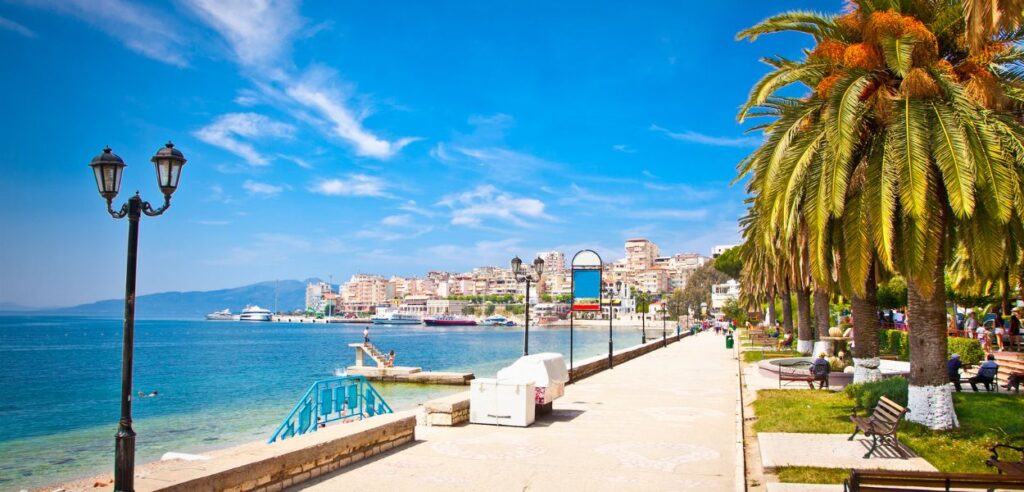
586 290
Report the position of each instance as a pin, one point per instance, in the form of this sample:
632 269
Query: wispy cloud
482 252
493 161
260 33
12 26
671 214
226 130
315 91
470 208
625 149
411 206
143 29
260 36
695 137
577 194
395 227
352 185
212 222
262 189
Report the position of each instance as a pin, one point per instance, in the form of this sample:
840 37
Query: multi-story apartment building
640 254
315 293
554 261
721 248
364 291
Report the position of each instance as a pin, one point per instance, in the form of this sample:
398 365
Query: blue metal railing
328 400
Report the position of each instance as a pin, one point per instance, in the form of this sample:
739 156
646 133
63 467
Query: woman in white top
971 324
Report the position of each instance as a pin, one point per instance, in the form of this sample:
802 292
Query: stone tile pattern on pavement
664 421
833 451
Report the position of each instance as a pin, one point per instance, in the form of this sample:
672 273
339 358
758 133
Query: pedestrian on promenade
366 335
971 325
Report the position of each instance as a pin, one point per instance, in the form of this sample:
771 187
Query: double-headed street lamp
107 168
528 276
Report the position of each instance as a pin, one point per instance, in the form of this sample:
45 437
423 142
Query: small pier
378 368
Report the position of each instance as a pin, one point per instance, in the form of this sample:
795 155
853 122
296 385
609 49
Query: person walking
998 329
366 335
971 324
1014 330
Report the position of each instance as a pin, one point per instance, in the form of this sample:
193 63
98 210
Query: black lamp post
528 276
664 313
642 304
107 168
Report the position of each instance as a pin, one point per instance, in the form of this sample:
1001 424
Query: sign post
586 294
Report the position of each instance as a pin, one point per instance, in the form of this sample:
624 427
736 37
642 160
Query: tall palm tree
916 135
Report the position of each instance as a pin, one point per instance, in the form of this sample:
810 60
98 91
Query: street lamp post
664 337
528 276
108 168
643 315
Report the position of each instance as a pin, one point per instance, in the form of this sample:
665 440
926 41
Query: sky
330 138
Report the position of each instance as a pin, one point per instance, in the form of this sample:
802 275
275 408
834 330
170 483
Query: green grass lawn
758 355
985 419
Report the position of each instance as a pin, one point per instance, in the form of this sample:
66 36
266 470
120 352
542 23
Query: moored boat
449 321
255 313
386 316
498 320
223 315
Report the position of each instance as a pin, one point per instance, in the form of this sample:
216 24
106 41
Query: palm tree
907 131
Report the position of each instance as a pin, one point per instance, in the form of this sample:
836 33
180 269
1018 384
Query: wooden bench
796 376
894 481
1003 466
880 425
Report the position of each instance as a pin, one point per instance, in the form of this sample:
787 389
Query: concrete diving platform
383 370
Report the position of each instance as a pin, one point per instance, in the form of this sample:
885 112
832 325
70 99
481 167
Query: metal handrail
328 400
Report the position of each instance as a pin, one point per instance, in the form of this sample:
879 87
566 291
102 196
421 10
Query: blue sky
332 138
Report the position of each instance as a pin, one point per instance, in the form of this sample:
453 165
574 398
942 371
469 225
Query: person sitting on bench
820 370
986 373
953 370
785 341
1014 380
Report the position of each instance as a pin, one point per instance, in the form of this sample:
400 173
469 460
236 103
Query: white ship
386 316
224 315
255 313
498 320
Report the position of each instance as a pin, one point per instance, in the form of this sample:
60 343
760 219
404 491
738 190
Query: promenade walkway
664 421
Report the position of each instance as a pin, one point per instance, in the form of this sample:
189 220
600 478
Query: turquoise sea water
220 383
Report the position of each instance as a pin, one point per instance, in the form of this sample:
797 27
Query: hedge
895 342
866 395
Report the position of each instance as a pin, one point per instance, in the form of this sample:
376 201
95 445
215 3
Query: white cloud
395 227
411 206
12 26
691 136
225 131
352 185
145 30
259 32
480 253
694 214
316 91
626 149
471 207
577 194
263 189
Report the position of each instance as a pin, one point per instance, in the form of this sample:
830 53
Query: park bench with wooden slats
805 377
1002 465
881 425
910 481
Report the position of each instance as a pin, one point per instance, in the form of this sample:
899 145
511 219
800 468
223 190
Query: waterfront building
722 294
721 248
316 296
640 254
440 307
554 261
365 290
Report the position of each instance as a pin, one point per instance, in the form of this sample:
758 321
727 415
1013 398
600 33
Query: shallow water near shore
220 383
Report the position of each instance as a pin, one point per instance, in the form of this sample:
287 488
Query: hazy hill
291 295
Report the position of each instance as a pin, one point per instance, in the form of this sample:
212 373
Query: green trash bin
728 341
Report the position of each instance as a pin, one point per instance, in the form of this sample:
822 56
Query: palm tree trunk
771 310
1006 290
805 333
929 397
787 312
866 329
821 312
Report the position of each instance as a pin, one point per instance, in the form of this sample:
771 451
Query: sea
219 383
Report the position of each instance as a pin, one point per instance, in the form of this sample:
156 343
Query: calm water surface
220 383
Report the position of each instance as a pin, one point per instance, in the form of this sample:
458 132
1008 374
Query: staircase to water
344 398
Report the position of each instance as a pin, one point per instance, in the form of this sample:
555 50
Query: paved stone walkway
834 451
664 421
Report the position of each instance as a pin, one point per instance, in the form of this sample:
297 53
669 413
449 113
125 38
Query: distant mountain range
291 295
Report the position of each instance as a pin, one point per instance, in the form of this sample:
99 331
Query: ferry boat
498 320
449 321
392 317
255 313
224 315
